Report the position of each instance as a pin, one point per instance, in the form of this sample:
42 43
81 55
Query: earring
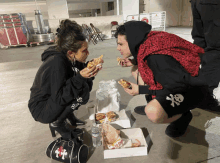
73 61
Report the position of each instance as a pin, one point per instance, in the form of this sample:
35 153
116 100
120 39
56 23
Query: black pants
48 111
211 69
206 34
206 24
45 111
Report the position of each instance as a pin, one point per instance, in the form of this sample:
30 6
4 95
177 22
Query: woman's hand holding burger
89 73
93 67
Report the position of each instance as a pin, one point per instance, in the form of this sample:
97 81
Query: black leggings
46 111
206 24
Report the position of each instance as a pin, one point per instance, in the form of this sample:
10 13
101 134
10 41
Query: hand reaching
126 62
134 91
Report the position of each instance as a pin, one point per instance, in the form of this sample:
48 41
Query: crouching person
62 82
169 76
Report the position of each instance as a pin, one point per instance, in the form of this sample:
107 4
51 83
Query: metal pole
36 4
118 7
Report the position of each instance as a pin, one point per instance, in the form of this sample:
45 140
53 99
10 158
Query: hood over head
136 32
49 52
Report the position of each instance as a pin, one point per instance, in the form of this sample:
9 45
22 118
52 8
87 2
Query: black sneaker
178 127
140 110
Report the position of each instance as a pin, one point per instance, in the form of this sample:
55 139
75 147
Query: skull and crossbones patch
175 99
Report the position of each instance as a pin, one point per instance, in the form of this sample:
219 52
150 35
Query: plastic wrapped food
111 137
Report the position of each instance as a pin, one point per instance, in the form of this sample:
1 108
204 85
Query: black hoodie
57 84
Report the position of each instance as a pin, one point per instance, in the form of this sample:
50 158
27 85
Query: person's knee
155 114
152 115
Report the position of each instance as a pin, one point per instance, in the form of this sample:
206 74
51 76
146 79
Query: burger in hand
124 84
95 62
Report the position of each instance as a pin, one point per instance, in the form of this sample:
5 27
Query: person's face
82 54
123 46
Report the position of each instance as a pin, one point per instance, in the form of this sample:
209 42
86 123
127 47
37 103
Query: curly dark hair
120 31
69 36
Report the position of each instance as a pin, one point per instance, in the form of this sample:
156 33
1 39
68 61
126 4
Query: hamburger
124 84
111 116
95 62
119 60
100 116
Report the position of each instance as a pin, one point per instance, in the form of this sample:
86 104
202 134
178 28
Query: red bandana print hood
186 53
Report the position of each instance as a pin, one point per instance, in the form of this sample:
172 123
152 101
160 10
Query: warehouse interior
24 140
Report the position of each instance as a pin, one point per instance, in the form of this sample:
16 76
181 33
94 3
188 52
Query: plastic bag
216 92
107 97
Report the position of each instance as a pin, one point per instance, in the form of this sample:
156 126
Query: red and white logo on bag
60 152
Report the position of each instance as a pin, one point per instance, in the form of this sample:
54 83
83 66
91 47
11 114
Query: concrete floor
23 140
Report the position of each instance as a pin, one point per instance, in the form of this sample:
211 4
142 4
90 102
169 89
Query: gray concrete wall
130 7
186 14
57 9
178 12
83 6
171 7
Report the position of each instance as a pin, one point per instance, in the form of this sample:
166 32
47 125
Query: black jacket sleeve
90 83
90 80
144 89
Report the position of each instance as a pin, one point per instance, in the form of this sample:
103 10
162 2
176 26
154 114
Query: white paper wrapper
99 65
117 144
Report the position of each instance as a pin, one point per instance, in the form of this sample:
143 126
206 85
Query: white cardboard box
132 133
123 120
